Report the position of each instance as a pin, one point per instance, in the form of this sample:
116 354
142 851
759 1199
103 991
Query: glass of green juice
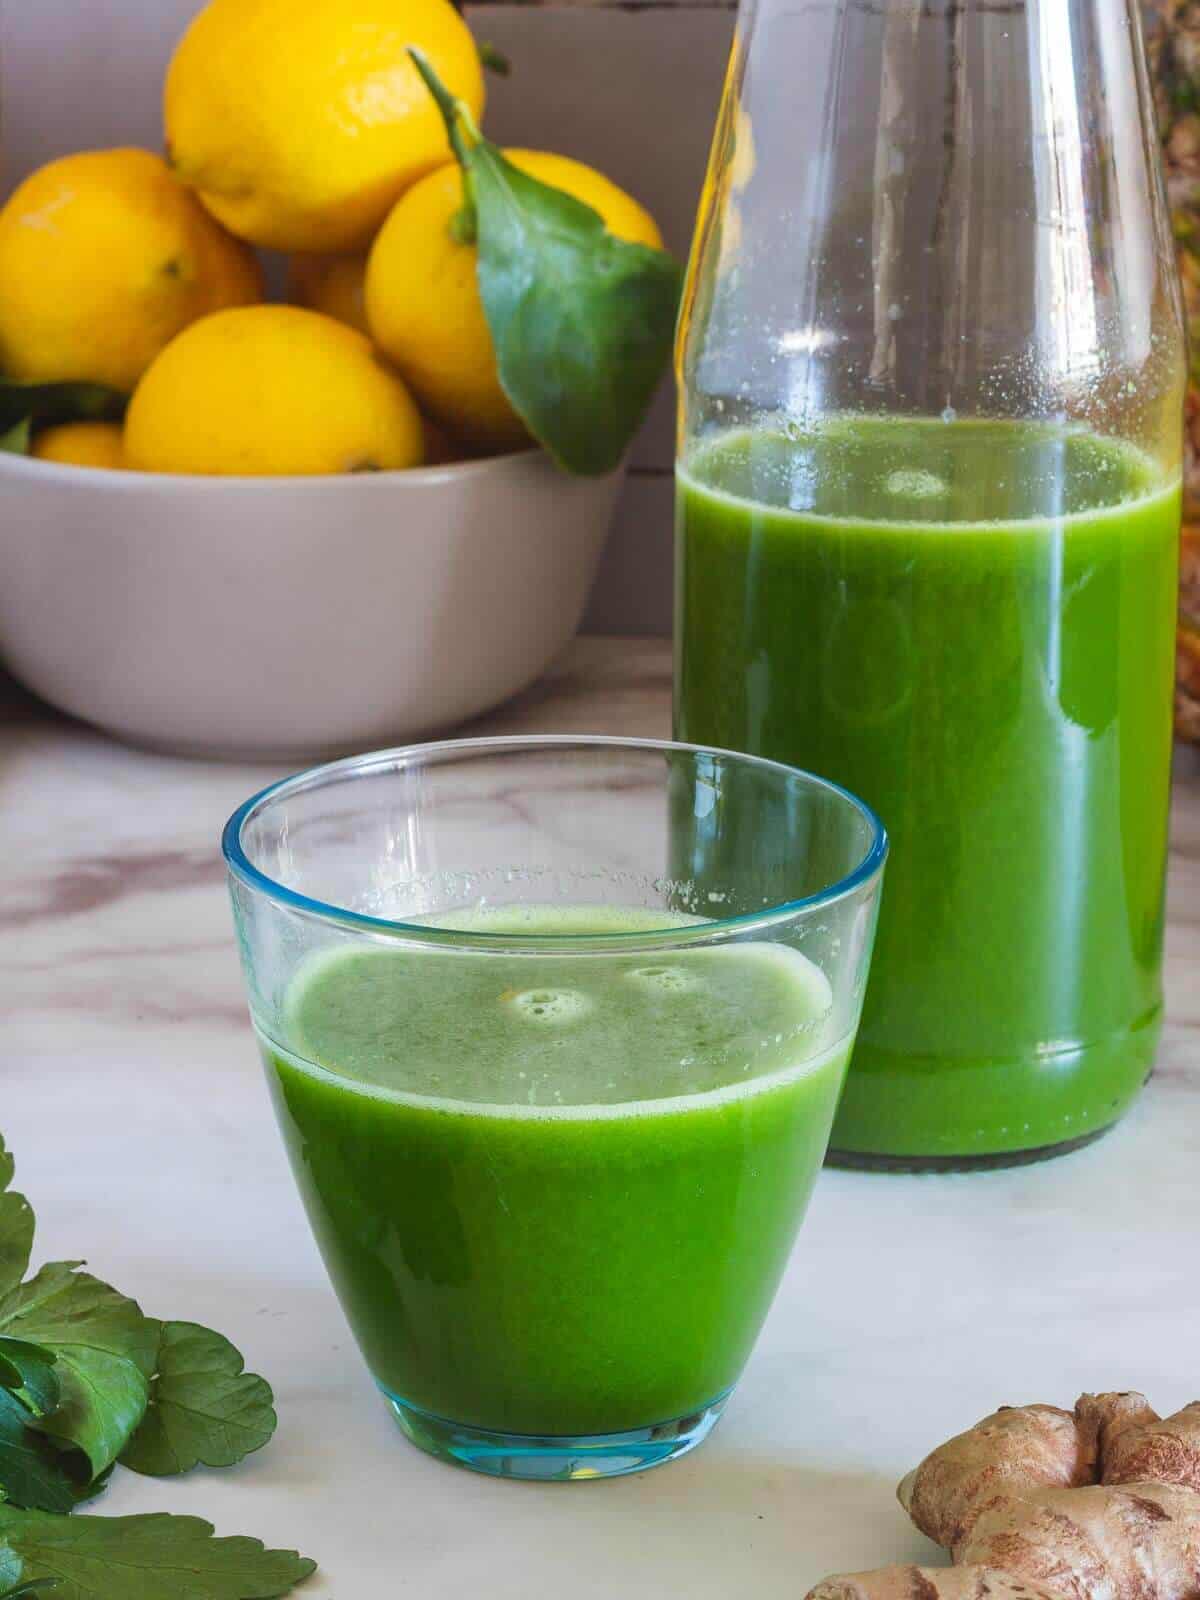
555 1029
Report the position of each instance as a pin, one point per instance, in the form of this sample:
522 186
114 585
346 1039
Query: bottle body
928 533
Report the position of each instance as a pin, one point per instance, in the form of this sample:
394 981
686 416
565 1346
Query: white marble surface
131 1095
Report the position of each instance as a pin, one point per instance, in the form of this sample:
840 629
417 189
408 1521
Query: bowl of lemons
370 509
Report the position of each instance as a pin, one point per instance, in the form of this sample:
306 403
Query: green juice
556 1193
969 625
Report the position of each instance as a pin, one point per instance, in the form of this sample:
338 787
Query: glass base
556 1460
864 1161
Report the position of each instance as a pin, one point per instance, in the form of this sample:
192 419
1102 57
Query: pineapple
1173 42
1187 686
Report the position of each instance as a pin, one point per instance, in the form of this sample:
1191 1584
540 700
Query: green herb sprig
155 1557
582 322
87 1382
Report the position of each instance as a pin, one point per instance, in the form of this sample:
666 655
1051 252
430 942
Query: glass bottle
931 367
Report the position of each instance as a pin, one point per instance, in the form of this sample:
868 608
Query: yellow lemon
333 285
423 302
300 124
271 391
82 444
104 257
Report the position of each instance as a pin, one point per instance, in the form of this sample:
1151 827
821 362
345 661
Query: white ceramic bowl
291 617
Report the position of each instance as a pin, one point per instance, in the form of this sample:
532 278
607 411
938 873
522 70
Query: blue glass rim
240 866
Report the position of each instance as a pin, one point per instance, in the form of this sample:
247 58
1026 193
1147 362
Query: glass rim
241 867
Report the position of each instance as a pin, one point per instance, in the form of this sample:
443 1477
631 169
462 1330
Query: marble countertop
132 1099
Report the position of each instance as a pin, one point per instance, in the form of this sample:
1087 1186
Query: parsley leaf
10 1573
85 1376
204 1408
28 1370
104 1349
32 1472
10 1561
16 1227
156 1557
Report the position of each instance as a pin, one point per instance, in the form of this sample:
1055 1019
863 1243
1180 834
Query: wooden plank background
631 88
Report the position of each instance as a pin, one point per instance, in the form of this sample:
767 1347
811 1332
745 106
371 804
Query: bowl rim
68 475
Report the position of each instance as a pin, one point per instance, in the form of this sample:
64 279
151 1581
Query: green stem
456 114
464 135
464 224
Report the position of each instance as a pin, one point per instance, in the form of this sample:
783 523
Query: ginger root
929 1583
1037 1503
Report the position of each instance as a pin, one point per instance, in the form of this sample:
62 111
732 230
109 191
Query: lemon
334 285
82 444
423 304
104 257
300 124
271 391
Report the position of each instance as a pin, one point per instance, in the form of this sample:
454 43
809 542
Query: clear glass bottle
931 369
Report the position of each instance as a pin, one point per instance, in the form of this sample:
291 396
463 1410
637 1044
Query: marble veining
131 1095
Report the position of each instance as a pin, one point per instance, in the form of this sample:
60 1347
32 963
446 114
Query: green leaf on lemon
44 403
582 322
26 406
204 1408
15 441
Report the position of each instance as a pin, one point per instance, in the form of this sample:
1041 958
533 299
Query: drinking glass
931 363
554 1029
